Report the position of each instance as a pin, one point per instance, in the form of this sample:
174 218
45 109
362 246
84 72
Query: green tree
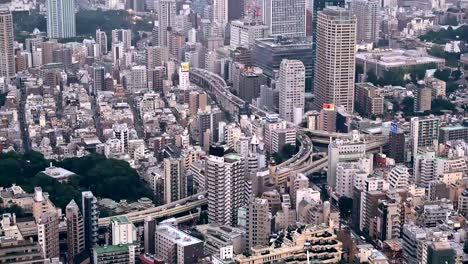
443 75
456 75
408 105
440 104
288 151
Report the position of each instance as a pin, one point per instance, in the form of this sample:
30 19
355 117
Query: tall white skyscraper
220 11
285 17
367 16
61 18
291 90
7 56
335 58
166 16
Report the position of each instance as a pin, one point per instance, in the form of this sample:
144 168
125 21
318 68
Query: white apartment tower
367 20
124 36
291 90
101 39
399 177
220 11
61 18
424 133
225 178
335 58
7 56
166 14
285 17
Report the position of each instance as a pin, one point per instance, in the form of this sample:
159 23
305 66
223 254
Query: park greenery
106 178
396 76
446 35
87 22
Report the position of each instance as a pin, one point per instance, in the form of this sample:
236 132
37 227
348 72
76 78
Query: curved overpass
167 210
219 91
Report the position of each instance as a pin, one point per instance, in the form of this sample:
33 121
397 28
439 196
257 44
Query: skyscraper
291 90
175 180
75 231
90 217
335 58
220 11
367 16
166 14
61 18
285 17
7 56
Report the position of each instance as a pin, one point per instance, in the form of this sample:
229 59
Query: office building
450 133
217 237
174 246
156 78
282 137
48 234
269 53
250 80
123 231
184 76
7 56
101 40
175 180
99 74
374 190
397 146
367 20
258 223
225 180
149 230
75 231
61 18
90 217
291 85
368 100
116 254
139 78
245 32
344 150
124 36
345 173
335 58
166 14
413 237
208 120
424 133
285 17
13 250
63 56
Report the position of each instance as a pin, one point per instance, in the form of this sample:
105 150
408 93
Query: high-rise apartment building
258 223
285 17
225 179
48 234
75 231
220 11
245 32
121 133
61 18
101 39
335 58
175 180
124 36
166 14
99 73
367 20
424 132
13 250
90 217
139 78
291 87
7 56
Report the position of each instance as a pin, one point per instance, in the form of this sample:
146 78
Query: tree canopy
106 178
445 35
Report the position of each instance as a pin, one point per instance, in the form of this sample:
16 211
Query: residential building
61 18
7 56
291 85
166 17
90 217
368 100
174 246
75 231
335 58
258 223
116 254
123 231
124 36
13 250
424 133
48 234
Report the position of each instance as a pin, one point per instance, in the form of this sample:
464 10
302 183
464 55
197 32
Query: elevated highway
167 210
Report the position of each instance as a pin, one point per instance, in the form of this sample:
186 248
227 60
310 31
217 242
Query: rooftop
177 236
119 220
114 248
